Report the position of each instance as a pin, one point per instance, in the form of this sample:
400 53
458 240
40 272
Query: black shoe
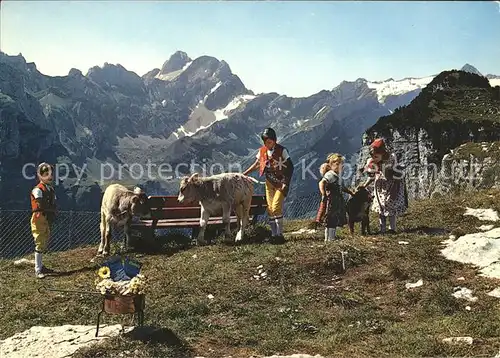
391 232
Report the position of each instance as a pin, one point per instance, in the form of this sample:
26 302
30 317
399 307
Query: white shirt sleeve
258 155
37 193
394 159
285 154
330 177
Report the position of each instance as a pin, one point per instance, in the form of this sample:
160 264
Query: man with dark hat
43 206
274 162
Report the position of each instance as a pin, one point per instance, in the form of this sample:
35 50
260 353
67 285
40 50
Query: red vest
273 164
48 199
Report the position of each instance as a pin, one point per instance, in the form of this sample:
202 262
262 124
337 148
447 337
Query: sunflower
104 272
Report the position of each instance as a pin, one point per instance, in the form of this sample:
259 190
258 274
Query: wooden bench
167 213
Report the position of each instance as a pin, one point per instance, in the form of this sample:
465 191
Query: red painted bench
167 213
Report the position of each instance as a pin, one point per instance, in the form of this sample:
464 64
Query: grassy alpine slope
306 304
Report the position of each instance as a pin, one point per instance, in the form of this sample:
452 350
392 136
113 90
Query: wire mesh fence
73 229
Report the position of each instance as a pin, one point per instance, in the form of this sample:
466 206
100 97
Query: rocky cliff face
470 166
455 112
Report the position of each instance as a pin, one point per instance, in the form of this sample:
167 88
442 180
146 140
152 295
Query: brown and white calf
222 192
118 206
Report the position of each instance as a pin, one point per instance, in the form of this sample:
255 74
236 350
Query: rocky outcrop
56 342
175 63
415 151
429 135
471 166
116 78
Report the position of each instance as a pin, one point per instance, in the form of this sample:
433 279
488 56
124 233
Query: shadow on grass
141 342
426 230
166 245
72 272
254 234
155 335
173 243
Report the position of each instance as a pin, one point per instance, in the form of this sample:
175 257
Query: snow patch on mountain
215 87
391 87
494 82
321 110
480 249
182 130
212 91
173 75
221 114
300 123
202 118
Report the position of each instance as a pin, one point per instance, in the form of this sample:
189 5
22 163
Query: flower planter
118 304
114 304
122 289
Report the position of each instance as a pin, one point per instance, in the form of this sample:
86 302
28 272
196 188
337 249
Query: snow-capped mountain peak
471 69
395 88
391 87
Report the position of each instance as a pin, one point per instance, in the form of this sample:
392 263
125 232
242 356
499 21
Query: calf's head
362 195
139 203
187 190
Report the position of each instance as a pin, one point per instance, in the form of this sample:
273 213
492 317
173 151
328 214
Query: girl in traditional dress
331 189
390 196
323 169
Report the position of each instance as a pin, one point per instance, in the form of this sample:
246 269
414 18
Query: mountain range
187 110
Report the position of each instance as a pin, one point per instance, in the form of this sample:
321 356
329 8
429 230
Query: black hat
268 133
44 168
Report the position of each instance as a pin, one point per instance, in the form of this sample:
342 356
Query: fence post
70 230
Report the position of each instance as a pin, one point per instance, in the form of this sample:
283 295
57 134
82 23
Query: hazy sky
294 48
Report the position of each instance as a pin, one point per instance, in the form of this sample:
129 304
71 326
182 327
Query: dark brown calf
358 210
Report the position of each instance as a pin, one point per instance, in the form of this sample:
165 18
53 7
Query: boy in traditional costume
43 207
273 161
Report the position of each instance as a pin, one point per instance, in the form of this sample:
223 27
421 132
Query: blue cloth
122 269
132 267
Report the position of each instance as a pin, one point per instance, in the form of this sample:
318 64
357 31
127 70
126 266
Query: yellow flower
104 272
135 281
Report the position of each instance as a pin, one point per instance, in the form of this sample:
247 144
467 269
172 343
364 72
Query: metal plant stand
117 304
